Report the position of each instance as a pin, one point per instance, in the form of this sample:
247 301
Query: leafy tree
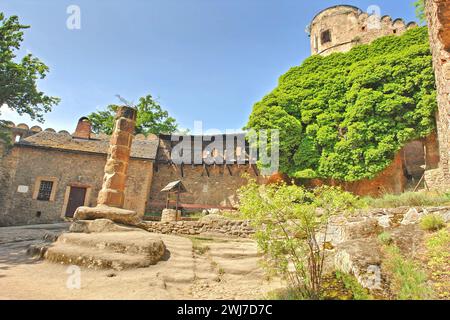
151 118
291 233
346 115
420 10
18 79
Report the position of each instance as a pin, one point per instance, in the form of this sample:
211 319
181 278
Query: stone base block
117 215
170 215
98 225
116 250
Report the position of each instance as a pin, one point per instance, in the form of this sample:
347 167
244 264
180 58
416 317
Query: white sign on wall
22 189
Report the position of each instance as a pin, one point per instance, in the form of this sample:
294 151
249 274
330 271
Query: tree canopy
344 116
151 118
18 78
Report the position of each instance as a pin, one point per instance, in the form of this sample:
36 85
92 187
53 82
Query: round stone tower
339 28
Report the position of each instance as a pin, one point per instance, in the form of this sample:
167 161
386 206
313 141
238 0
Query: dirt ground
204 267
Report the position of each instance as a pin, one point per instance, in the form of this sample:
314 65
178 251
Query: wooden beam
205 168
229 170
182 170
254 170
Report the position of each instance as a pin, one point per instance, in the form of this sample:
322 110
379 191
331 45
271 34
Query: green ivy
345 116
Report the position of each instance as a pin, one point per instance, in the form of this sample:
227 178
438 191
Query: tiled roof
145 149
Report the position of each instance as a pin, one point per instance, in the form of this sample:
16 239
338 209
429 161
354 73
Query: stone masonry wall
233 228
438 16
350 26
25 165
217 189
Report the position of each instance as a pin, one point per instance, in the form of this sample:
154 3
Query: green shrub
286 226
432 222
350 283
385 238
408 282
345 116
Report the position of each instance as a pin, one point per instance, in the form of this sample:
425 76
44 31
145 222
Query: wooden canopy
175 186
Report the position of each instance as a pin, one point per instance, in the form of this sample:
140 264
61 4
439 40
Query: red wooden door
76 199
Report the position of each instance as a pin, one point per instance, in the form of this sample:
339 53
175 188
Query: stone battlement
340 28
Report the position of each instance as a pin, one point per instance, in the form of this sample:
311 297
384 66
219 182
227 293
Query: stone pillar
170 215
113 189
112 195
438 16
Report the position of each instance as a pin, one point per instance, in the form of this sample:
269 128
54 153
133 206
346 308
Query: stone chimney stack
83 130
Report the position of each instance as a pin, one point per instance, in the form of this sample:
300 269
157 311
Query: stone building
46 175
340 28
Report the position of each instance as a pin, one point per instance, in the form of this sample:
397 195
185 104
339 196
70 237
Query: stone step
241 266
95 258
235 254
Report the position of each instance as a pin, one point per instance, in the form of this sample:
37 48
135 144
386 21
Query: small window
325 37
45 190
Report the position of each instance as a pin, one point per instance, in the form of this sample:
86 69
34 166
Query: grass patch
352 285
335 286
432 222
284 294
196 215
198 246
419 199
438 247
408 281
385 238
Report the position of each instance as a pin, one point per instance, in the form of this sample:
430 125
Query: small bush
432 222
408 282
385 238
420 199
351 284
287 229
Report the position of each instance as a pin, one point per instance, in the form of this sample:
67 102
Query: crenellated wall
340 28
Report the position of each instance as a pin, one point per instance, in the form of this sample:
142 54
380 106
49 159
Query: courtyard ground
204 267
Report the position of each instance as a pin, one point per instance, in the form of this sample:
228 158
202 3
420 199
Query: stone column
438 17
112 195
113 189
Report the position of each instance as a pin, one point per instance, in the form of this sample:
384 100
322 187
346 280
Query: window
325 37
45 190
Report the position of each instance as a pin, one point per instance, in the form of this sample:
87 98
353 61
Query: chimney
83 130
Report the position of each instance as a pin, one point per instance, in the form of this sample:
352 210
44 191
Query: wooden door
76 199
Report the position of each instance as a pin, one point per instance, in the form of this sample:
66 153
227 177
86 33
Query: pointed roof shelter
175 187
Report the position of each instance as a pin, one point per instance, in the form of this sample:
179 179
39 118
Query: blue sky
206 60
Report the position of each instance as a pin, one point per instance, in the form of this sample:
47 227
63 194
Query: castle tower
340 28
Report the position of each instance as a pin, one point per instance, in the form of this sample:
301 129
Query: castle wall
438 16
26 165
390 180
348 26
217 189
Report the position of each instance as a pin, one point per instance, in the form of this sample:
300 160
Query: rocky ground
205 267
